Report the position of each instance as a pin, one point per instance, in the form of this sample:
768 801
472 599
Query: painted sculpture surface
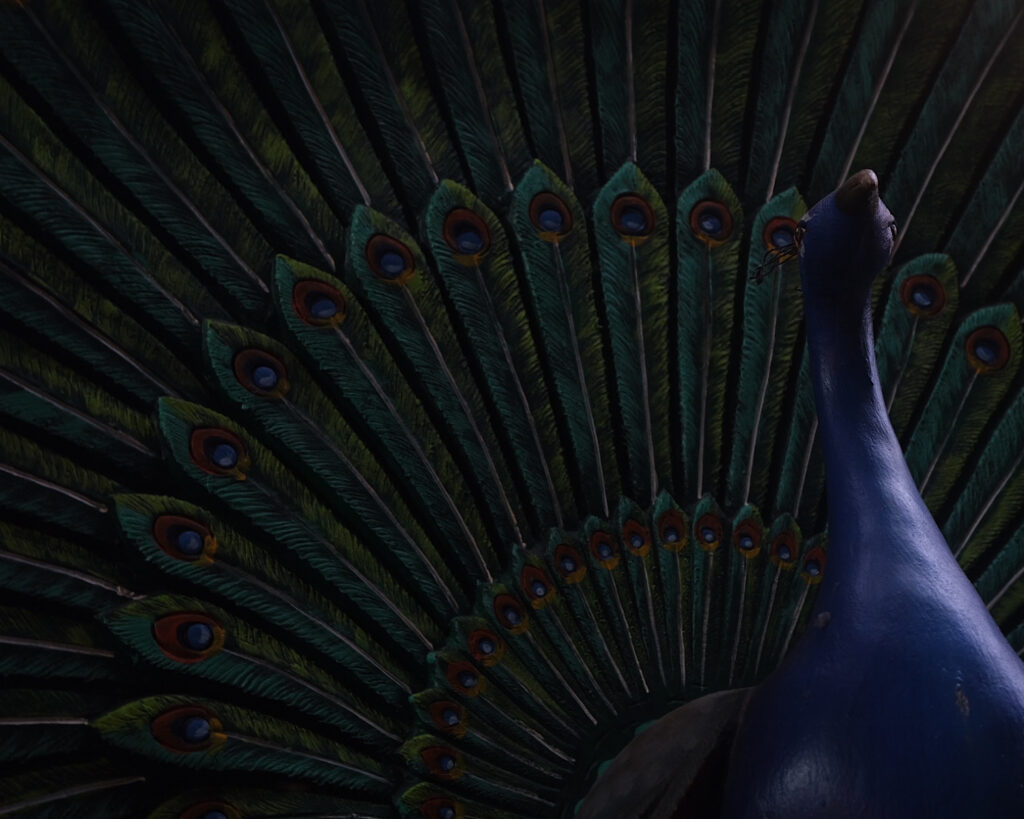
902 698
403 403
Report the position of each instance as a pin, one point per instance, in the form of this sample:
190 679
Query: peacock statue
502 410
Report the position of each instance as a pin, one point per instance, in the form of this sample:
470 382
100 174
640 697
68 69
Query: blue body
903 699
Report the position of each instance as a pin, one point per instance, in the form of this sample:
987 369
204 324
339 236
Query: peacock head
845 240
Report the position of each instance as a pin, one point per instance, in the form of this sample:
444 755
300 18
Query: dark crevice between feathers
508 57
591 69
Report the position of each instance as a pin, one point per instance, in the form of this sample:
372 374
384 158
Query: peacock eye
218 452
923 295
711 222
261 373
551 216
467 234
633 218
318 304
390 260
987 350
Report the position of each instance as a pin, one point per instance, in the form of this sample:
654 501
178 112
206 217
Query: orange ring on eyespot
569 563
784 550
604 549
486 647
632 218
384 254
711 222
211 451
465 678
167 633
438 758
543 208
200 810
673 530
779 223
813 569
531 582
709 523
169 727
318 304
467 235
167 531
442 719
511 614
431 808
988 350
747 529
251 365
923 295
633 530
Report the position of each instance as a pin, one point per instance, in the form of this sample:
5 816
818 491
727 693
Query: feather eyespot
464 678
709 532
187 728
485 647
604 549
550 216
441 807
537 587
318 304
672 530
711 222
184 539
448 717
923 295
987 350
468 235
632 218
814 566
779 234
569 563
636 537
219 452
443 761
511 614
188 638
261 373
211 810
746 539
389 259
784 550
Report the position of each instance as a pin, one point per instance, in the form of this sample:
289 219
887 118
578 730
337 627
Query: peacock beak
858 193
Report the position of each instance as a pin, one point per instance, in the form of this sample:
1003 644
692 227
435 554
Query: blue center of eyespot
190 542
550 219
446 812
711 223
467 679
446 762
784 553
224 455
486 646
512 615
746 542
568 564
469 241
538 588
196 730
264 377
708 534
632 220
812 568
450 716
670 535
391 263
196 636
782 237
322 307
986 352
636 540
604 549
923 295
